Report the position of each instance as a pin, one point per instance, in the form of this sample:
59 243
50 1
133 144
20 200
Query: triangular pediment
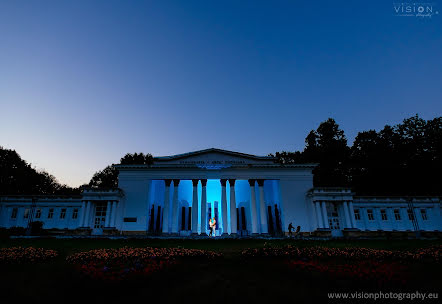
214 156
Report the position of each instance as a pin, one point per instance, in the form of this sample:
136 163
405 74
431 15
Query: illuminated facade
248 195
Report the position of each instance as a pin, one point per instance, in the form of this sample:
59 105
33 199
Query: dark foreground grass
231 279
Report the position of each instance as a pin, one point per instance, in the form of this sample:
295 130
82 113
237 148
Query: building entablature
98 194
397 199
372 201
330 194
39 199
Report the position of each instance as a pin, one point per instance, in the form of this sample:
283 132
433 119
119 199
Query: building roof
214 150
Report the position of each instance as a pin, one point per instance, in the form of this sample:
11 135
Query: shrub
432 253
17 231
36 228
126 262
15 255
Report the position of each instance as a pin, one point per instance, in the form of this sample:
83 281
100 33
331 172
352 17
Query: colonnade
320 208
87 212
229 227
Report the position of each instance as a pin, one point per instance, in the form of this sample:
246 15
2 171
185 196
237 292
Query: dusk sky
84 82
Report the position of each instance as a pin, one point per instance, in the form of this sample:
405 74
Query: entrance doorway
100 218
333 220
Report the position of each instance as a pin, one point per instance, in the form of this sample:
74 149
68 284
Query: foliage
36 228
108 177
16 230
137 159
15 255
432 254
365 270
404 159
117 271
131 254
17 177
127 263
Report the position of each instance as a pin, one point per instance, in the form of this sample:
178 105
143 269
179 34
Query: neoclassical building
247 195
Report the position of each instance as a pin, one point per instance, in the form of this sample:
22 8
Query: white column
347 215
378 217
83 210
324 215
319 215
253 206
391 218
108 207
437 216
233 222
195 206
363 212
176 183
203 206
166 210
114 214
87 217
352 214
212 209
406 223
262 208
224 205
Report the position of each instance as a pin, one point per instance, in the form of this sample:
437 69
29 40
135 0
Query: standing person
210 227
290 229
213 226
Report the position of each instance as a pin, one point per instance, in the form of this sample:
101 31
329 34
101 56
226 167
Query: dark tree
137 159
108 177
327 146
17 177
401 160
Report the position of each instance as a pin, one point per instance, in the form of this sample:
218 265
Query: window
63 213
357 214
424 214
26 214
370 214
75 213
14 213
38 213
383 215
410 214
397 215
51 213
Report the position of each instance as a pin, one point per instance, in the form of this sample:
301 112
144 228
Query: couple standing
212 225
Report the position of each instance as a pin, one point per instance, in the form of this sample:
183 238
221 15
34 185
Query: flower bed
368 264
126 262
426 254
115 270
382 273
15 255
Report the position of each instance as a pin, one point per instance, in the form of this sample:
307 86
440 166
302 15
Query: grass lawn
230 279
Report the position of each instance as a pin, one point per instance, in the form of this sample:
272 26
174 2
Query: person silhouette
210 227
213 226
290 229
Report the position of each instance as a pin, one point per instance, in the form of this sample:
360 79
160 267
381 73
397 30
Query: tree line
404 159
18 177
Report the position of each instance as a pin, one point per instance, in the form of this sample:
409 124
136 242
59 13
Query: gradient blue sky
84 82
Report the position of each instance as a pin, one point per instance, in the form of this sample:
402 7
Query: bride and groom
212 225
